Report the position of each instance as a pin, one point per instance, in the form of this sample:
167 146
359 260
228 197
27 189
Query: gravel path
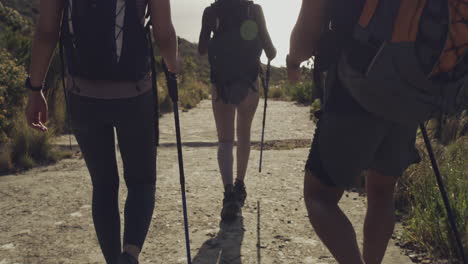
46 212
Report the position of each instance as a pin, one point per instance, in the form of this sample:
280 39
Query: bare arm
44 43
164 32
306 33
270 49
45 39
208 24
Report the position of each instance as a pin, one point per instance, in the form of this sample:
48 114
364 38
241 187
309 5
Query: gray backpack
235 50
408 59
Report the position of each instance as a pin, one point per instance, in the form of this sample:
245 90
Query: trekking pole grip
172 86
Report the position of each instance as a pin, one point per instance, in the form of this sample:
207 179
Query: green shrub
29 147
276 92
12 18
418 197
192 88
6 163
316 106
12 92
18 44
191 93
301 92
22 147
57 113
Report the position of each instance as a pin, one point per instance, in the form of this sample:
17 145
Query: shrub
192 88
27 148
418 196
301 92
12 18
12 92
276 92
316 106
6 164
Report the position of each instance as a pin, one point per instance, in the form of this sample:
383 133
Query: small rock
24 232
76 214
8 246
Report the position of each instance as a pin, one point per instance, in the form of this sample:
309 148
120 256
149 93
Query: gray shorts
348 140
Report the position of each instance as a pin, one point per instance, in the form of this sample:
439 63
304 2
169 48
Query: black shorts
348 140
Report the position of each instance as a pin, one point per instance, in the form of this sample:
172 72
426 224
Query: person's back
106 49
382 62
239 36
235 49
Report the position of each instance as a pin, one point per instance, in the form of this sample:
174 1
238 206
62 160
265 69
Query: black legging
93 122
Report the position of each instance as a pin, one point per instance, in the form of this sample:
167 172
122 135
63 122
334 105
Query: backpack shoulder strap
406 25
250 13
368 12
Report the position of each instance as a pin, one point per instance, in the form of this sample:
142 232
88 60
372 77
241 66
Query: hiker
381 81
239 36
109 86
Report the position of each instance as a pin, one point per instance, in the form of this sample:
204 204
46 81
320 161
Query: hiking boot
126 258
231 206
240 192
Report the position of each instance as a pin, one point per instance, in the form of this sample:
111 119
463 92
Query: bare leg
224 116
330 223
245 114
380 218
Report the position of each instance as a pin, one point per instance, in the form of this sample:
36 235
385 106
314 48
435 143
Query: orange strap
406 25
457 42
407 22
368 12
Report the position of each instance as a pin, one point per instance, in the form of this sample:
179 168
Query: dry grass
419 200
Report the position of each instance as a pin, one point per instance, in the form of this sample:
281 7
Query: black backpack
105 40
402 60
235 50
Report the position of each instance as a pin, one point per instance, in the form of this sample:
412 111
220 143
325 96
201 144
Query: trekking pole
443 192
265 83
172 86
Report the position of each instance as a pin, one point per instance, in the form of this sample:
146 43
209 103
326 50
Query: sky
280 15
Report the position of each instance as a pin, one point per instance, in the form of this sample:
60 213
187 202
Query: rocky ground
46 212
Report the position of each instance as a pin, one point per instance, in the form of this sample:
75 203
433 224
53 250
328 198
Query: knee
317 196
225 146
146 192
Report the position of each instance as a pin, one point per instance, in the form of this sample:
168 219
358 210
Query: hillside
202 67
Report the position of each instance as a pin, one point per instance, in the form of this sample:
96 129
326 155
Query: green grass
27 148
302 92
419 200
314 107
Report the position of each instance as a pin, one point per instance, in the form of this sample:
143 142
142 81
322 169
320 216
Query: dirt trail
46 212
